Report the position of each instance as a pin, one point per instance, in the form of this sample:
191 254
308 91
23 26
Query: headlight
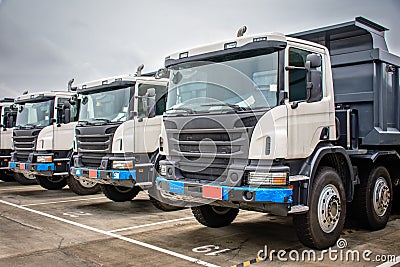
163 170
272 178
122 164
44 159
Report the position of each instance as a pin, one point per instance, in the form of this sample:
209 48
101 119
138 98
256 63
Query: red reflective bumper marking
92 173
22 166
212 192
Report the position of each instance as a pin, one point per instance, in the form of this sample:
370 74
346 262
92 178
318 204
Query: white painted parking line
150 224
130 240
390 263
62 201
22 188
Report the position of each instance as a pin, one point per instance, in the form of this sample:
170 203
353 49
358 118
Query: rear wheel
373 199
214 216
120 193
82 187
24 179
321 226
51 182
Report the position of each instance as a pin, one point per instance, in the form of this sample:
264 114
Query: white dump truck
43 140
7 123
304 124
116 139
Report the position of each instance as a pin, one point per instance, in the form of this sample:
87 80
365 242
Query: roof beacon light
241 31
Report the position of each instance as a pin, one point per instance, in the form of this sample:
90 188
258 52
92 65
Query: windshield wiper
188 110
28 125
103 119
234 107
81 123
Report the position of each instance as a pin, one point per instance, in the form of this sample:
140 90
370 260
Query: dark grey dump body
365 77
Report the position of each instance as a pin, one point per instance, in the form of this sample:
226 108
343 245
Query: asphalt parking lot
58 228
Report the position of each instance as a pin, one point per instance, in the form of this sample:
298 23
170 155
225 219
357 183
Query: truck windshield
37 114
239 84
106 106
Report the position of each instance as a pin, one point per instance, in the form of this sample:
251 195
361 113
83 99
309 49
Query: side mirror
150 102
162 73
314 61
314 78
66 112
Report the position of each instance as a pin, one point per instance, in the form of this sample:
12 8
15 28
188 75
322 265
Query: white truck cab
43 140
116 139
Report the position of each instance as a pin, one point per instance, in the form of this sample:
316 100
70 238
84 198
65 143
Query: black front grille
93 143
24 143
204 149
92 160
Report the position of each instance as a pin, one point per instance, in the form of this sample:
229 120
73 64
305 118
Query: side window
74 109
161 99
297 77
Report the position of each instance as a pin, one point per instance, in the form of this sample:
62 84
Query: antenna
241 31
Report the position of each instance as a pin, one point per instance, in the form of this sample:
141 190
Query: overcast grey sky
44 43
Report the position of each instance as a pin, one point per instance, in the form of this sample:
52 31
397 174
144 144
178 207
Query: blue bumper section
214 191
32 167
44 166
104 174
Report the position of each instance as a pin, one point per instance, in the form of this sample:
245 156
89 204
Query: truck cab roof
38 96
117 82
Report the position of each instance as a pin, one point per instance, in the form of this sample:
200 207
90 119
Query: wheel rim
329 208
381 197
122 189
220 210
87 184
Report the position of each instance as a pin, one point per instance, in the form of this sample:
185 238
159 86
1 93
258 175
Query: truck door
148 126
63 134
305 120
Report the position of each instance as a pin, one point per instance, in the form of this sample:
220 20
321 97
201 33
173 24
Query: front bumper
4 162
242 194
32 168
141 175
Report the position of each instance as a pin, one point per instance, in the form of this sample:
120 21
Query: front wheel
214 216
6 176
373 198
321 226
51 182
164 203
120 193
24 179
82 187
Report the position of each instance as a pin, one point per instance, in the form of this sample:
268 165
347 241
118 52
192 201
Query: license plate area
213 192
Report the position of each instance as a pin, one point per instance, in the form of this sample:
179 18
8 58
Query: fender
312 164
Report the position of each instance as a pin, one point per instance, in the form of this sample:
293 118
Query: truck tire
6 176
373 199
317 228
22 179
120 193
82 188
156 197
214 216
50 183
